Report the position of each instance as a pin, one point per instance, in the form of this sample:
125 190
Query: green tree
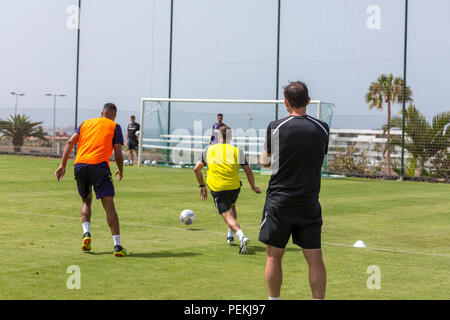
387 90
18 128
423 140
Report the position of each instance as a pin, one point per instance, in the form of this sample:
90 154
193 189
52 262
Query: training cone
360 244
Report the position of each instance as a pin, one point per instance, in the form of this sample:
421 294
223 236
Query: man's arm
119 160
250 177
265 160
59 173
198 174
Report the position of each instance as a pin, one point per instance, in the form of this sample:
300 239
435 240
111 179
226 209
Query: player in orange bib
97 139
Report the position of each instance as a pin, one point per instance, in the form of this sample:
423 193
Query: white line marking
264 221
221 233
310 118
275 131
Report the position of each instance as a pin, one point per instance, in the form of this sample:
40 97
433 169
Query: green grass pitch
40 237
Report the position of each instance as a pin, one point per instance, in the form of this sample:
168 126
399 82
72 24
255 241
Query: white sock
230 233
274 298
116 240
240 234
86 227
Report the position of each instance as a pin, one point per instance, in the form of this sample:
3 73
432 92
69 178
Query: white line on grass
221 233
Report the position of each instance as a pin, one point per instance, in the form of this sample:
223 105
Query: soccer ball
187 217
147 163
126 162
137 134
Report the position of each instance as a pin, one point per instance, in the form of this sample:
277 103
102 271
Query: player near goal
215 129
223 161
97 138
132 138
295 149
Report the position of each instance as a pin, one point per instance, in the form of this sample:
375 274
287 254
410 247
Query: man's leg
230 220
111 215
136 153
131 150
86 223
230 235
86 209
113 222
273 271
234 225
317 272
234 212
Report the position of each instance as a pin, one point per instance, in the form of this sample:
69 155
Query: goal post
176 131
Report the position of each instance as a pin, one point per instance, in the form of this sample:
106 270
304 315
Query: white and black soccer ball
187 217
126 163
147 163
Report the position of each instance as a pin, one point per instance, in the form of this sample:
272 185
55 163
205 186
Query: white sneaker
243 246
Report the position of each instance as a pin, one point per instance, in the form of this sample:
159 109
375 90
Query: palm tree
387 90
19 127
423 140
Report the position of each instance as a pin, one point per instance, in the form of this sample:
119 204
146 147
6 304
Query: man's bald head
109 111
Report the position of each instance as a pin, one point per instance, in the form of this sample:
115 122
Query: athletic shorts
133 145
224 199
280 221
94 175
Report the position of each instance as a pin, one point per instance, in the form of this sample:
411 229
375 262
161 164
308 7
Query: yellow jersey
223 161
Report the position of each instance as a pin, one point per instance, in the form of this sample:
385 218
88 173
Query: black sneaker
120 251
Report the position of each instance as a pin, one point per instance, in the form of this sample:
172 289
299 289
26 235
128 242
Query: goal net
174 132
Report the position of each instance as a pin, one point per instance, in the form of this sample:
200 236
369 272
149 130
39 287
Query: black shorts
96 175
224 199
133 145
280 221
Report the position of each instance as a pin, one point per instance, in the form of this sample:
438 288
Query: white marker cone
360 244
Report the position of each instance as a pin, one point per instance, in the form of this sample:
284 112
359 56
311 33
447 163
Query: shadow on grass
152 255
254 249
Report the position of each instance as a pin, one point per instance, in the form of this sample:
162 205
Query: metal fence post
405 64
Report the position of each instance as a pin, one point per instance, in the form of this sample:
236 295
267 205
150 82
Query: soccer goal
174 132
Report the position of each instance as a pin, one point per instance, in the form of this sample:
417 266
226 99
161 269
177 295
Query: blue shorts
96 175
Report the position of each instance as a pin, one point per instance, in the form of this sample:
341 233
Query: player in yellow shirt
223 161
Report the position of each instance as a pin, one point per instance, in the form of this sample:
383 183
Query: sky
222 50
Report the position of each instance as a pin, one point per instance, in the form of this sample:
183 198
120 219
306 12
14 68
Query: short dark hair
110 107
224 132
296 93
133 116
220 115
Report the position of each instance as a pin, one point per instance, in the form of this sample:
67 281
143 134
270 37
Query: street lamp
54 115
17 94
